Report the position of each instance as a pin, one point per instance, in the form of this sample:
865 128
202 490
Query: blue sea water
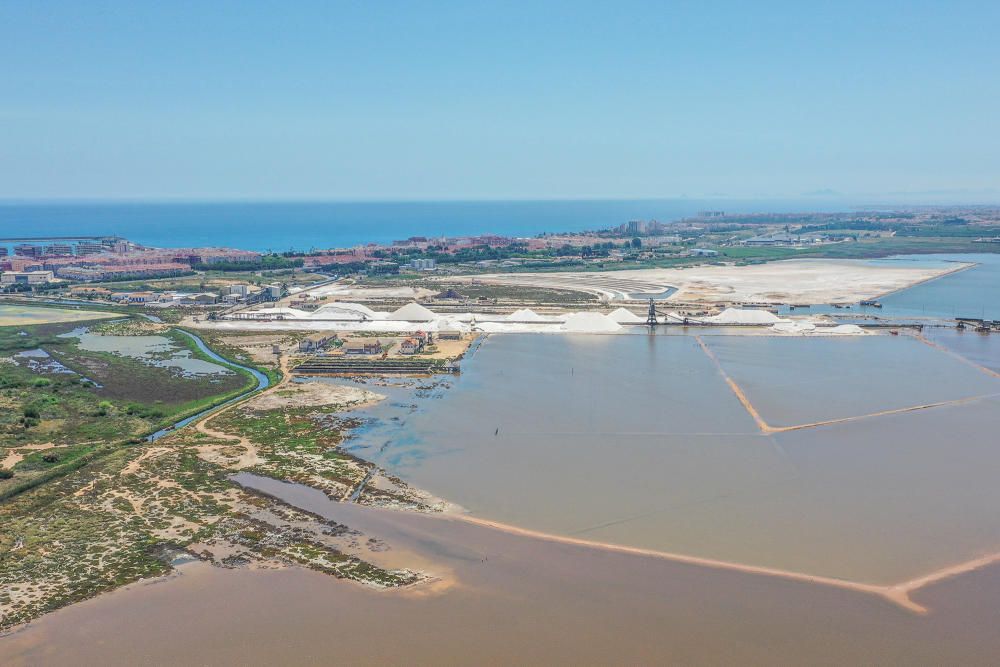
973 292
302 226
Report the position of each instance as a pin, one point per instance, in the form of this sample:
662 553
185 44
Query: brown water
803 380
637 440
513 599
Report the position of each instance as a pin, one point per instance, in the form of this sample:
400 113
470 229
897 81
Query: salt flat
788 281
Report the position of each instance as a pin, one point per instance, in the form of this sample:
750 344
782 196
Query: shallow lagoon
27 315
637 440
151 350
793 381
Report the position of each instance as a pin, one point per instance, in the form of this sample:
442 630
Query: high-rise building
90 248
28 250
58 249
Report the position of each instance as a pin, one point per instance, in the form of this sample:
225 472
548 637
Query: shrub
6 474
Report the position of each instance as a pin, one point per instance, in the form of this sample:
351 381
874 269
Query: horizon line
849 201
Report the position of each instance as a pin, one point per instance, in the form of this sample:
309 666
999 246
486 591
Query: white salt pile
589 323
793 327
413 312
843 330
625 316
525 315
346 311
744 316
286 313
444 324
799 327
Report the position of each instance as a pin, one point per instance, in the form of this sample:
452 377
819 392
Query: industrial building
25 277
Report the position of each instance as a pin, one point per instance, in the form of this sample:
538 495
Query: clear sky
413 100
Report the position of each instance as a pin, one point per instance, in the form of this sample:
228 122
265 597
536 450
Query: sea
278 227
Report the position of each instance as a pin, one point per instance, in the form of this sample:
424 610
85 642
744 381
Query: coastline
965 266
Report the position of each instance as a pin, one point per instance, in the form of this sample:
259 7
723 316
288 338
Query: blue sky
466 100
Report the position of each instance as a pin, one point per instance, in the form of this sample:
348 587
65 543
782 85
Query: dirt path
14 455
250 456
133 466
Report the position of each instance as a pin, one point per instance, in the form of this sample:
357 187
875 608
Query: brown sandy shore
514 598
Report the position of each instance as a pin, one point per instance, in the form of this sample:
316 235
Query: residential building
411 346
90 248
28 250
60 249
87 290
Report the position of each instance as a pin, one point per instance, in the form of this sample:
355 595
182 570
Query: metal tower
651 316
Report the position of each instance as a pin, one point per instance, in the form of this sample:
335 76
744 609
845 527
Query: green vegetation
84 516
82 404
298 444
115 521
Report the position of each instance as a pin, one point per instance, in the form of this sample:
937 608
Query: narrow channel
263 382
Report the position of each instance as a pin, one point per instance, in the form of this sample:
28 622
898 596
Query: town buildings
8 278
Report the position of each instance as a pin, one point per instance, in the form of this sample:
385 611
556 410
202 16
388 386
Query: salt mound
744 316
445 323
339 310
525 315
287 313
844 330
589 323
413 312
625 316
794 327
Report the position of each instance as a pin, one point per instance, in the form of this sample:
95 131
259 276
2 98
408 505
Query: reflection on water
971 293
151 350
974 292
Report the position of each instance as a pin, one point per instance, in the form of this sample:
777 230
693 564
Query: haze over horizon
467 101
